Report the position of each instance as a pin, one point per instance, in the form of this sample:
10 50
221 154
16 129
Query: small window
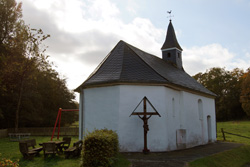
169 55
200 109
179 56
173 107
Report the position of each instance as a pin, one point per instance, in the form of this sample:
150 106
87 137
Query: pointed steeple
171 41
171 50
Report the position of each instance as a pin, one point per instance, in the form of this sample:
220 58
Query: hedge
100 148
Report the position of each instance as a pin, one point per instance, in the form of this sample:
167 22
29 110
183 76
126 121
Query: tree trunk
18 106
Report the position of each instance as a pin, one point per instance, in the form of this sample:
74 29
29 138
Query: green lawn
237 127
238 157
233 158
10 150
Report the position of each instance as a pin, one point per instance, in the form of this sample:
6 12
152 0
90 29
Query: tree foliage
30 90
227 86
245 93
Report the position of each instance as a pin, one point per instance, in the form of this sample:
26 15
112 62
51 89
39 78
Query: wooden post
223 134
145 125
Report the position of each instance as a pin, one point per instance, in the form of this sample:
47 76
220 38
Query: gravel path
178 158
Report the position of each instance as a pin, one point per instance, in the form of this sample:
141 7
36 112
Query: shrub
100 148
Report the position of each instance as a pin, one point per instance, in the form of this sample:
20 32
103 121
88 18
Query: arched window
200 109
173 107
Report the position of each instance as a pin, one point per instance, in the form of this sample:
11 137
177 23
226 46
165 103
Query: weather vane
169 12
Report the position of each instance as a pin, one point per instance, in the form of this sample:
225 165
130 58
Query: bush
100 148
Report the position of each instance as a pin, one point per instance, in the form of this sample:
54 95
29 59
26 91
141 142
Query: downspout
81 115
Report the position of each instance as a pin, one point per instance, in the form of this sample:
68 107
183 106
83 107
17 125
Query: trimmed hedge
100 148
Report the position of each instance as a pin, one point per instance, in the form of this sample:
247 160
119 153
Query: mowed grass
10 150
237 127
121 161
238 157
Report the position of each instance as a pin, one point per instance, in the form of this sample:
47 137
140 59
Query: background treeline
232 89
31 91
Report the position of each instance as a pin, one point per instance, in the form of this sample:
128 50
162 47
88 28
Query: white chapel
127 75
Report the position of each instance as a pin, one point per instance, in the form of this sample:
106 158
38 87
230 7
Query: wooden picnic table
59 148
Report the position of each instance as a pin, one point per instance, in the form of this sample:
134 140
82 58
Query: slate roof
128 64
170 40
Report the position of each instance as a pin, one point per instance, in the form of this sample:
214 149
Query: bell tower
171 50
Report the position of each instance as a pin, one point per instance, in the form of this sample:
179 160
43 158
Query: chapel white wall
197 130
110 107
100 108
131 132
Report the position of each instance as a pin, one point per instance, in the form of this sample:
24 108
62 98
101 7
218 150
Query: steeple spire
171 50
171 41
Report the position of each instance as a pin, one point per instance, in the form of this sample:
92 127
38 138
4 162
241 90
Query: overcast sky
212 33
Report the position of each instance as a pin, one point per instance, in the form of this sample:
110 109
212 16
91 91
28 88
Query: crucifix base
146 151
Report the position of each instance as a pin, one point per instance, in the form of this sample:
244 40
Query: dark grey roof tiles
135 69
171 73
123 65
109 69
128 64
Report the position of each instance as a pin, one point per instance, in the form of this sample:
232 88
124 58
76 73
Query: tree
21 54
245 92
9 19
25 72
227 86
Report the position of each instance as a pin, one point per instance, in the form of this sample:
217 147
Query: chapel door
209 128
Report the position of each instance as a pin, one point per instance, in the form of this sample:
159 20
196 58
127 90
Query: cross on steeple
169 12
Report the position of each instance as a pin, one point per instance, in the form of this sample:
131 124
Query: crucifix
144 116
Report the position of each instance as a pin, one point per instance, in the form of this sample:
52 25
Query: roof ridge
144 60
122 58
99 66
128 64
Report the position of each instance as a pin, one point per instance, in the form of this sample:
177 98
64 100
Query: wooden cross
144 116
